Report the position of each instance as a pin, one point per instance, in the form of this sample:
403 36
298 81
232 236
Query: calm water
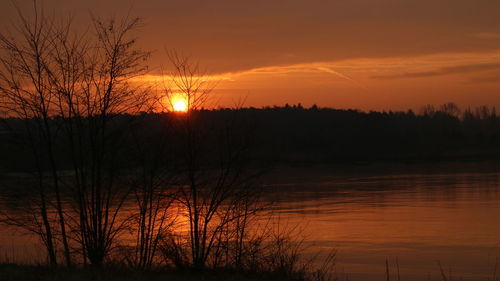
419 219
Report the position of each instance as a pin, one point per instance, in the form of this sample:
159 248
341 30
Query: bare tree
152 179
97 131
215 189
75 94
27 92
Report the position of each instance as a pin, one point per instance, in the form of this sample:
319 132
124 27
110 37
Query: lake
417 218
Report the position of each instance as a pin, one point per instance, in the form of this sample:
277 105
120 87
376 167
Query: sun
180 106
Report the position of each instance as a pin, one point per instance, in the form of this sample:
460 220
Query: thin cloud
469 68
299 68
495 78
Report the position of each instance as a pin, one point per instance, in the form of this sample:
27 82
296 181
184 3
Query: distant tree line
299 135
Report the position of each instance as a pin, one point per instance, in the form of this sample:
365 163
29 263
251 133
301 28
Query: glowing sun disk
180 106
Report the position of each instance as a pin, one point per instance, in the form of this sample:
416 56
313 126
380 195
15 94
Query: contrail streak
331 71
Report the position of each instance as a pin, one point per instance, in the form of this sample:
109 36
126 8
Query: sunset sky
364 54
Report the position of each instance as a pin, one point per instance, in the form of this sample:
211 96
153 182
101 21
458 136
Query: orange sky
365 54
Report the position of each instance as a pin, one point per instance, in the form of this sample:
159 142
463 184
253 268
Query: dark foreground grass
13 272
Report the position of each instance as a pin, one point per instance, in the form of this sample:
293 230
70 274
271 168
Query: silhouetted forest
311 135
296 135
